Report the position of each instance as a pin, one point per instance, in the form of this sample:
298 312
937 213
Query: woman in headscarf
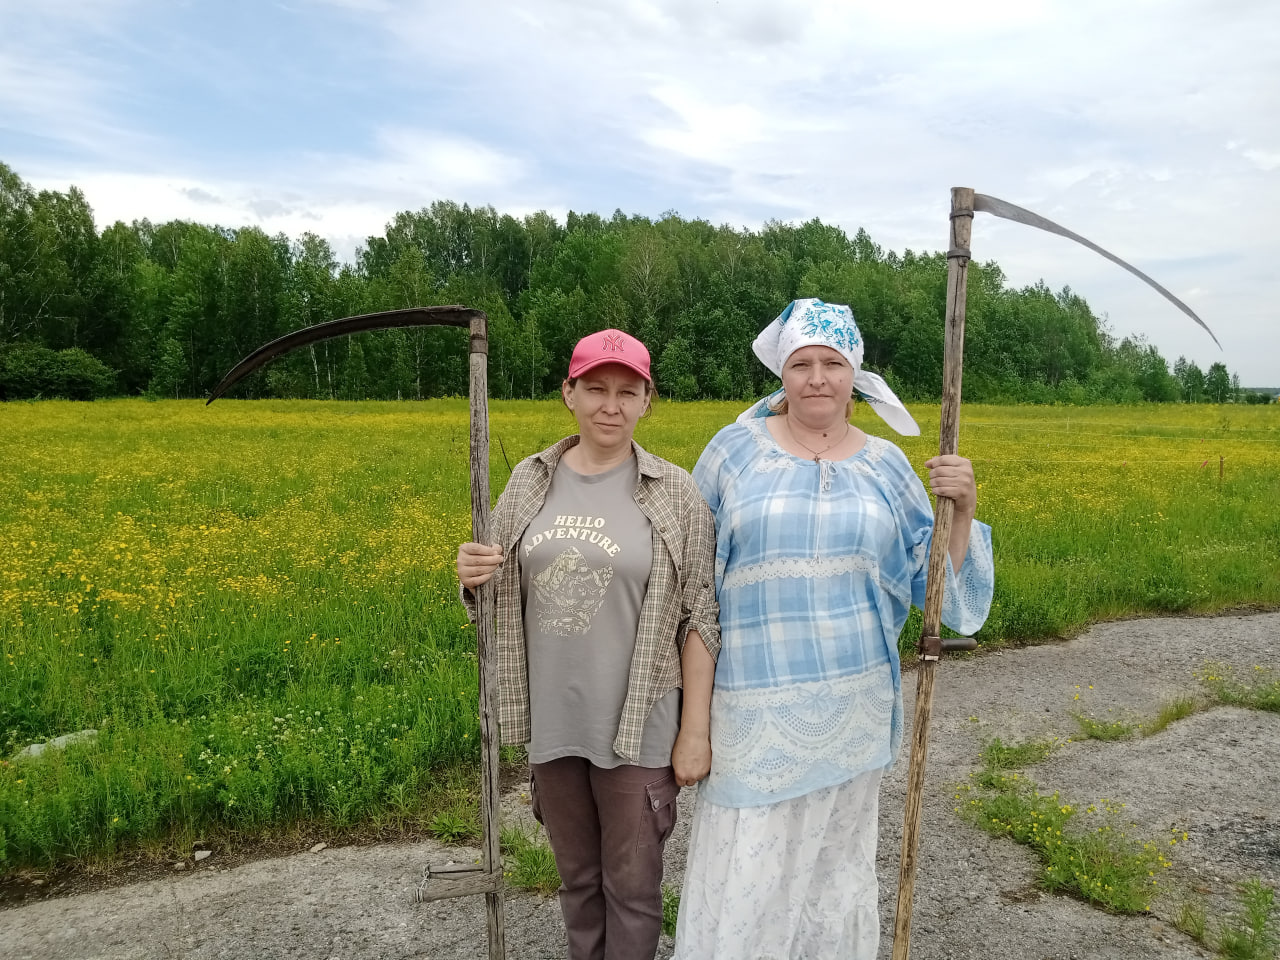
606 634
822 544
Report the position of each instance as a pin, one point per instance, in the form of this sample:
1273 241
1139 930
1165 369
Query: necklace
817 454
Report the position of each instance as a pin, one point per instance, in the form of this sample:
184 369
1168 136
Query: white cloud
55 102
432 164
1266 160
714 133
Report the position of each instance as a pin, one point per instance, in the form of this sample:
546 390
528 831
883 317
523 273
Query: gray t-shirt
584 569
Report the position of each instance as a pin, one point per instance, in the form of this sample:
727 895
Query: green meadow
253 603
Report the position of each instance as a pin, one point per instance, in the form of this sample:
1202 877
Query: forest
164 310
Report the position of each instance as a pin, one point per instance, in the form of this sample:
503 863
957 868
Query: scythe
964 202
449 880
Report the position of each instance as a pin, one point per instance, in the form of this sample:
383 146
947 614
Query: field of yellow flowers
253 603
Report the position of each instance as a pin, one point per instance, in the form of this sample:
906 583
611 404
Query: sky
1152 128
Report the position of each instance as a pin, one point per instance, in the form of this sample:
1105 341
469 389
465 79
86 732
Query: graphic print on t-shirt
569 593
585 560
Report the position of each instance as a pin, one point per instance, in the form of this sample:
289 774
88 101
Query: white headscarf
805 323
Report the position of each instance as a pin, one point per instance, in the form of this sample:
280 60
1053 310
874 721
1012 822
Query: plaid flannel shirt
680 596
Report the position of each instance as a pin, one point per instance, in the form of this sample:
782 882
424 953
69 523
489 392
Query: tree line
164 310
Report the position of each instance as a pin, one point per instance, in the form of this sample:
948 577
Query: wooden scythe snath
443 882
964 202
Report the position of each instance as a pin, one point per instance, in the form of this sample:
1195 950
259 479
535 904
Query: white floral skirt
794 880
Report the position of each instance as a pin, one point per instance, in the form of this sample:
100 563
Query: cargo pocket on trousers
660 810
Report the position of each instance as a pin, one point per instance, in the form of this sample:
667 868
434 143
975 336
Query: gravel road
1215 775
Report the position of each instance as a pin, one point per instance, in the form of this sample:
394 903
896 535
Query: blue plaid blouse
817 566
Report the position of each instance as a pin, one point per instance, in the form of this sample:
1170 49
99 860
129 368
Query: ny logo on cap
613 341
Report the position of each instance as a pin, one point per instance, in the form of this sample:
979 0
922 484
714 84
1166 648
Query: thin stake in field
444 881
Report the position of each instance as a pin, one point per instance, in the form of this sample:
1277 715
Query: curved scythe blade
451 316
1009 211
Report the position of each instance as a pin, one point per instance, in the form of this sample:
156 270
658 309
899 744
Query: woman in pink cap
603 558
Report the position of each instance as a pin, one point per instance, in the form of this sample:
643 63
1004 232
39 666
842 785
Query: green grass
997 755
1192 921
254 604
1258 690
1169 712
1250 932
670 909
1253 932
457 822
1103 866
530 864
1109 730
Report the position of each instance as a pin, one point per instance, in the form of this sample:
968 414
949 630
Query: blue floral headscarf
808 322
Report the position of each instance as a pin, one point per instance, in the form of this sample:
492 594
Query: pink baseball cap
609 346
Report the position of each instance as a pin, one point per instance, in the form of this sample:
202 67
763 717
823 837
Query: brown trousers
607 828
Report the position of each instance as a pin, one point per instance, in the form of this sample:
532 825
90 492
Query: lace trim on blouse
799 568
770 739
772 456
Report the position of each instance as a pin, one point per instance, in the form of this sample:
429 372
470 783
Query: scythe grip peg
932 648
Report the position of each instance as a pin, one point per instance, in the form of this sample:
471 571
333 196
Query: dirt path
1215 774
